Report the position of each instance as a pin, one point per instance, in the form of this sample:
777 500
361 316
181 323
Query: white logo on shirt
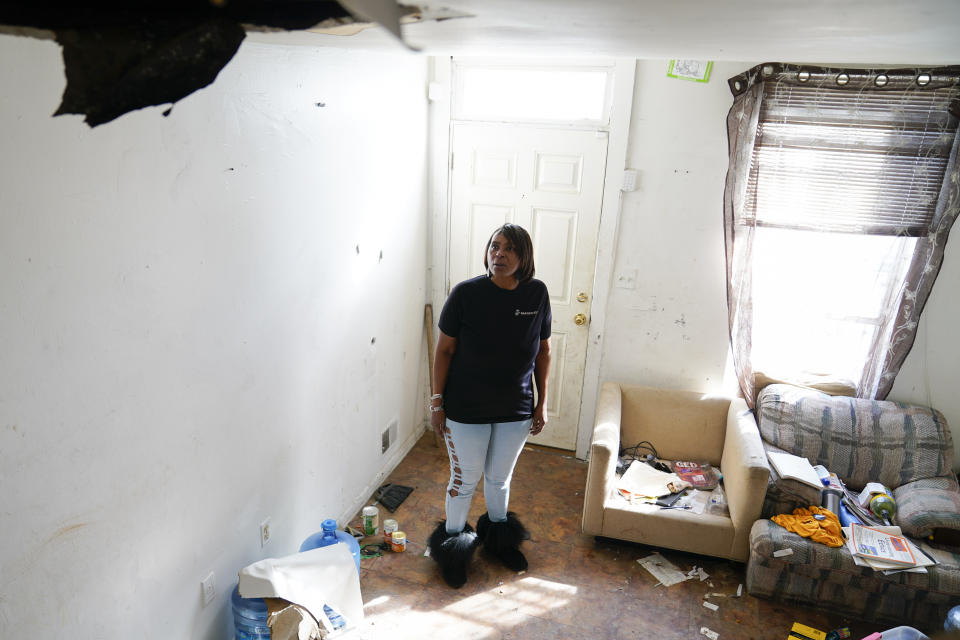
525 313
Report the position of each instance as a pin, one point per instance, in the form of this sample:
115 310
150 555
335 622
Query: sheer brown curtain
850 151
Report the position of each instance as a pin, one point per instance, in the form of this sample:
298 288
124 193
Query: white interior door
550 182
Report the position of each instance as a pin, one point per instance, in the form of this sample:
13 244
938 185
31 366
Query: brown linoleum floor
576 586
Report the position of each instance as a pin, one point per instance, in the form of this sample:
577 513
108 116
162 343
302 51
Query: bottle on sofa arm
718 502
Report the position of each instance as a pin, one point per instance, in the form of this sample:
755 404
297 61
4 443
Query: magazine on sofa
698 474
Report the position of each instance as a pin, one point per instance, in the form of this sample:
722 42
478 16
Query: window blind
849 160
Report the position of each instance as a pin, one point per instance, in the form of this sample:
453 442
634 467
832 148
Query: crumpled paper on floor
663 570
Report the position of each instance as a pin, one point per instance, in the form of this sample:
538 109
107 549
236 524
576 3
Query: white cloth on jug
326 575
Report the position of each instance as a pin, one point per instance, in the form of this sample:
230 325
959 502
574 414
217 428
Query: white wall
670 330
205 320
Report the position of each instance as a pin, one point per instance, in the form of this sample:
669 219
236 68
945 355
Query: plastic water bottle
718 501
249 617
329 534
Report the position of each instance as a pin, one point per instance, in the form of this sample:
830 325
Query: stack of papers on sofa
643 481
885 549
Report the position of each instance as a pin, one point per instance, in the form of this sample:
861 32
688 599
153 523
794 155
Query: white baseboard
399 453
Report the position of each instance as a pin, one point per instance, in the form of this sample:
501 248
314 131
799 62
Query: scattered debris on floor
711 606
713 635
356 533
842 633
783 552
698 572
663 570
372 550
739 590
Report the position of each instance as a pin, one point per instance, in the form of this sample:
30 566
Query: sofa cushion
705 533
860 440
827 578
786 494
928 505
682 425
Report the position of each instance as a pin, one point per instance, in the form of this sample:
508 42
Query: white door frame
439 197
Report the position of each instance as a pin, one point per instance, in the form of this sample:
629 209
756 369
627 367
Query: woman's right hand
437 420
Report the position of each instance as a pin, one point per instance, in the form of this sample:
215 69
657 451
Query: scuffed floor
576 587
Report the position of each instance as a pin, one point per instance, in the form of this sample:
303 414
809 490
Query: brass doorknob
581 297
580 319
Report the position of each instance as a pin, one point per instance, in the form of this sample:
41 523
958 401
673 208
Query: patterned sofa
907 448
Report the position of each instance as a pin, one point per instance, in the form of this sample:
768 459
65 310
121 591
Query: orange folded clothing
824 529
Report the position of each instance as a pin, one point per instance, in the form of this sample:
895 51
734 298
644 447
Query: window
827 290
511 92
842 187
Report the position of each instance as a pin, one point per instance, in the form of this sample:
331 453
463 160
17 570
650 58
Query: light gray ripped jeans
489 450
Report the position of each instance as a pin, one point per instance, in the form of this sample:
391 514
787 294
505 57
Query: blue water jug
329 534
249 617
952 623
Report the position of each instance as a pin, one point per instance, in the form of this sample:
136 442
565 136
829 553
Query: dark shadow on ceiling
123 56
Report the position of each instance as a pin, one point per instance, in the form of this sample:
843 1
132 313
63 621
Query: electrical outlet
265 532
208 587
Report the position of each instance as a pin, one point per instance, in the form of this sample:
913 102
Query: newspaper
923 559
874 544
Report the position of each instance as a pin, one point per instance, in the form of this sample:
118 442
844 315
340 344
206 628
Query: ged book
699 474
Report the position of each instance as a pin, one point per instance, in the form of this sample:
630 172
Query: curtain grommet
803 76
881 80
923 79
843 79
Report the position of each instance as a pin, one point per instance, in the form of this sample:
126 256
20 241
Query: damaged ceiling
119 57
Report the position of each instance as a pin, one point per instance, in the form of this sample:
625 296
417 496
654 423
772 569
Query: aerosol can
883 506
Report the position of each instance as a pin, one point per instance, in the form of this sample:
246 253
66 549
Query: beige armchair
682 425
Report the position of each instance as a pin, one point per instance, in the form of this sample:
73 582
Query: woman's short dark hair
520 239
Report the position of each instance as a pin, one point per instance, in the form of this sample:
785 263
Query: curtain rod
874 78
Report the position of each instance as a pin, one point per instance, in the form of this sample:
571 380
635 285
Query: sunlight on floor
482 615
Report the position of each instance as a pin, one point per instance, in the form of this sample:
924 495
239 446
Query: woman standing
494 346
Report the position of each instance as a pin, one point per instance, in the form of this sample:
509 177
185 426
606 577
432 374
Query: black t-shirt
498 334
